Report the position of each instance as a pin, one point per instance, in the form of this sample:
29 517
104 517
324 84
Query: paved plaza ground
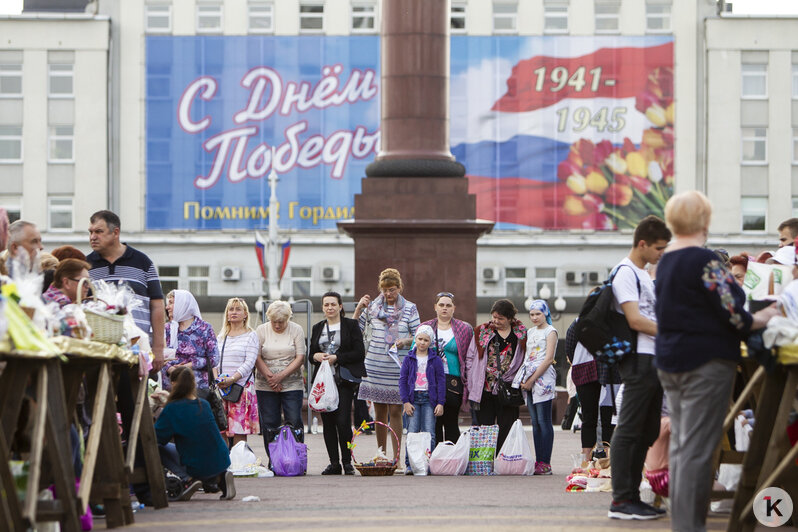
328 503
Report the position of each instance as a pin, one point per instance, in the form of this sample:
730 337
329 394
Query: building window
658 16
555 17
795 82
261 18
311 18
364 18
458 18
14 212
754 81
754 212
61 81
209 18
300 282
794 146
505 17
755 145
158 18
169 277
11 144
198 280
59 214
10 81
607 16
61 144
545 277
515 283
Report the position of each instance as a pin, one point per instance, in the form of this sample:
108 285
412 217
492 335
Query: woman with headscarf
192 339
538 379
496 352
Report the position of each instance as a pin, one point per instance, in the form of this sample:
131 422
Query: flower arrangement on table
614 187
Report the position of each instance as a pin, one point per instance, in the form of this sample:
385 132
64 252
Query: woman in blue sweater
201 452
701 322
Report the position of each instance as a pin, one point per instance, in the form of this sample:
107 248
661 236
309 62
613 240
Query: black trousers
589 395
446 426
638 425
492 413
337 425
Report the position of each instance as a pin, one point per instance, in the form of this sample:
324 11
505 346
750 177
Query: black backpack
604 332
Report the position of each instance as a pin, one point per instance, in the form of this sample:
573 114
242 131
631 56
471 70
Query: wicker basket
382 469
106 328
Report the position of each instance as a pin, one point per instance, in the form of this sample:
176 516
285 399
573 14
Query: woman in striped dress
239 348
393 321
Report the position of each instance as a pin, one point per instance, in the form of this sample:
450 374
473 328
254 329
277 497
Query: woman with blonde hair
394 321
239 351
278 382
701 320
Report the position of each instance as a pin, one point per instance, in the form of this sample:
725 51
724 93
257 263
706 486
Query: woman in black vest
339 341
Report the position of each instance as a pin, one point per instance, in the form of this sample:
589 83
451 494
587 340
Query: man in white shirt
639 419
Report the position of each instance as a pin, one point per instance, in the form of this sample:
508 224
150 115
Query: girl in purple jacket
422 385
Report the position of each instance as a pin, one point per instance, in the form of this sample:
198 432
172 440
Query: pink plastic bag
451 458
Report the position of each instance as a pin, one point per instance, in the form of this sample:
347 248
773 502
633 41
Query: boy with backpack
639 419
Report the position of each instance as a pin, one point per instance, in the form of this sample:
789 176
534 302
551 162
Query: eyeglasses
446 294
79 279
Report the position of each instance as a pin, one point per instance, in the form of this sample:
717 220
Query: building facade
732 80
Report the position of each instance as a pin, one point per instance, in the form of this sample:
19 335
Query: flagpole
274 247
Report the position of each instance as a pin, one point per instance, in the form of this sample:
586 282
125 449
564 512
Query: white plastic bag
324 394
515 456
418 444
451 458
243 462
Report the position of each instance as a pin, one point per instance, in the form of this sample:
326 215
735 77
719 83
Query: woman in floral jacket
496 351
191 337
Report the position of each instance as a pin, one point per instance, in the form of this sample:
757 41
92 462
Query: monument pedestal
425 227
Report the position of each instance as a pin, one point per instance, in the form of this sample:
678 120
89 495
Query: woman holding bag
238 354
338 340
494 357
451 339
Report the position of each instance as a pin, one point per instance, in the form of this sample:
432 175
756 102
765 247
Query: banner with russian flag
555 132
564 132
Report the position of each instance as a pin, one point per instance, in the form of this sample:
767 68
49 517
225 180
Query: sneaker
660 511
349 469
228 487
542 468
332 469
189 488
629 510
409 472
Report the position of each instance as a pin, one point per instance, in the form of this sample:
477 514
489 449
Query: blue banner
555 132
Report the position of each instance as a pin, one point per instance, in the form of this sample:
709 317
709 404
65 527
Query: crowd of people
683 301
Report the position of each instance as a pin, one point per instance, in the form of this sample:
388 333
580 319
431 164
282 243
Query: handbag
235 390
214 398
507 395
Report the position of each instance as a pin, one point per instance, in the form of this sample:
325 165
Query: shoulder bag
343 372
214 398
506 394
234 392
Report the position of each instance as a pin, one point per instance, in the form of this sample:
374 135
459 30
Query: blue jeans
542 428
171 461
272 406
422 420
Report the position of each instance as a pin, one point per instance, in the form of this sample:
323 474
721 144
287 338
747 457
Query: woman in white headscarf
191 337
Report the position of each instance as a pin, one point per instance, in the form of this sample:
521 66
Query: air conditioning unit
231 273
330 273
491 274
594 278
574 278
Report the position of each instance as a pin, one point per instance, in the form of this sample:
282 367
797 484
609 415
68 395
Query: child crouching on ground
422 386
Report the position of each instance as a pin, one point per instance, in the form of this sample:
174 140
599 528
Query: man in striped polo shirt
114 261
